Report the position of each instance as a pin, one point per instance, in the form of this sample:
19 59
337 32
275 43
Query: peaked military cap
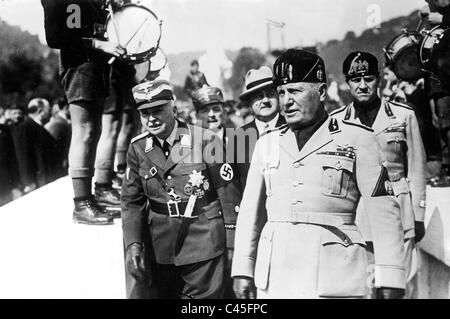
152 93
205 96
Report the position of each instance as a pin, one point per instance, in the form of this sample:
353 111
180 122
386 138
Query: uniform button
146 176
220 213
169 177
338 165
236 209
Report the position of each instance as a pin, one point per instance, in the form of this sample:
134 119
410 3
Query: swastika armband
221 174
383 186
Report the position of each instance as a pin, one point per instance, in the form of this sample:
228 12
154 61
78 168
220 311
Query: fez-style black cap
358 64
296 65
205 96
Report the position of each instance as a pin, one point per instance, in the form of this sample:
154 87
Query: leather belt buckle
173 212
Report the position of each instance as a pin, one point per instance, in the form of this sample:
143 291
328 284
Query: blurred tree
179 92
27 67
18 73
247 58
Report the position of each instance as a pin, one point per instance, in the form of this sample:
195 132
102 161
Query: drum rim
149 70
133 5
422 45
165 59
139 57
394 40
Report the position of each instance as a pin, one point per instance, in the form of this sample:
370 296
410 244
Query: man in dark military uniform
177 192
209 106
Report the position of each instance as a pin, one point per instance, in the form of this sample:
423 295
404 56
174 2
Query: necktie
166 149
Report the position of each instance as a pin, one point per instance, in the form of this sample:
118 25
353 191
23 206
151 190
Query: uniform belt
171 210
318 218
400 186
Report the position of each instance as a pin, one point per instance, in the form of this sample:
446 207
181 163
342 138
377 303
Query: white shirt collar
36 120
219 133
63 116
264 126
171 138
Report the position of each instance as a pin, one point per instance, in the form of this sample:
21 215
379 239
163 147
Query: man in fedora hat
175 197
260 95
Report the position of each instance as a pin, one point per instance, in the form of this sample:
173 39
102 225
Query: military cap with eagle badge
152 93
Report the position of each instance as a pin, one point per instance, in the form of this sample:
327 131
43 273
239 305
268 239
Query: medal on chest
194 190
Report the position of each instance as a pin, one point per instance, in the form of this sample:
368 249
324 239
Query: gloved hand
135 261
390 293
244 288
419 229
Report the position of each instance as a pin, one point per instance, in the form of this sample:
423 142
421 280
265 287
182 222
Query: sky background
196 25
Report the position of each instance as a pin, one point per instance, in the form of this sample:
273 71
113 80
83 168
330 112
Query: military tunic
397 132
190 169
310 247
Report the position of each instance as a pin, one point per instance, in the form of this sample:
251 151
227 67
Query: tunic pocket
146 178
269 171
337 172
342 264
262 268
396 144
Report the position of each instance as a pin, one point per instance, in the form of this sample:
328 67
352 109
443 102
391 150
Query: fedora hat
256 80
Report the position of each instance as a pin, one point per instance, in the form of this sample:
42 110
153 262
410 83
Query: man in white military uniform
397 132
311 175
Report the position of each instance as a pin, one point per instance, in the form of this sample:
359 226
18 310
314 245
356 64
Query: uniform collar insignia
149 144
333 126
388 110
185 140
184 135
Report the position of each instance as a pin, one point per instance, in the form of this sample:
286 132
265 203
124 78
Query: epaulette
279 128
358 125
140 136
339 110
402 105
